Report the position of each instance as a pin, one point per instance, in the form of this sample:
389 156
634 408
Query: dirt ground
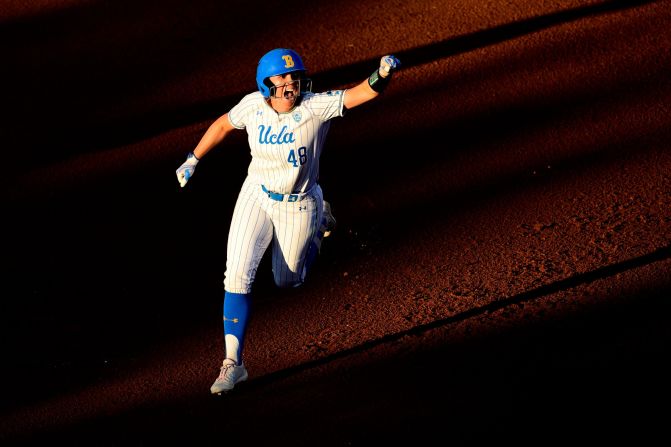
501 267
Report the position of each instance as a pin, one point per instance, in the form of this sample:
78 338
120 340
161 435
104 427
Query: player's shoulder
321 97
326 94
250 102
253 98
245 109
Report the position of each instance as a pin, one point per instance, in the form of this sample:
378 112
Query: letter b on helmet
276 62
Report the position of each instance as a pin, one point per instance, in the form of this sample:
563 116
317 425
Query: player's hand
185 171
388 64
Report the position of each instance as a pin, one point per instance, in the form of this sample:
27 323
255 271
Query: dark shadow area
85 77
86 94
597 375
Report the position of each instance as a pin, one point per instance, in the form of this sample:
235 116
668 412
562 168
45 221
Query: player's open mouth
289 95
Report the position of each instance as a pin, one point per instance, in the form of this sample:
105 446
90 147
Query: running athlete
280 200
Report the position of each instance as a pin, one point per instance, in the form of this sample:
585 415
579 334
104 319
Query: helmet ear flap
270 85
306 85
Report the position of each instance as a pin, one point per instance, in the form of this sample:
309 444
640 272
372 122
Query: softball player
280 200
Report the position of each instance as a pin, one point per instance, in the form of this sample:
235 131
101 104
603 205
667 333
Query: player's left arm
373 85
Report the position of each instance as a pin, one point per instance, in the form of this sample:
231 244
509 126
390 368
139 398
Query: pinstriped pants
257 220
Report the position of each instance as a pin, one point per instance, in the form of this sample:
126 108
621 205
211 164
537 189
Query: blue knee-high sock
236 311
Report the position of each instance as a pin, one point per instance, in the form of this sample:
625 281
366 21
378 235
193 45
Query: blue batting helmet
276 62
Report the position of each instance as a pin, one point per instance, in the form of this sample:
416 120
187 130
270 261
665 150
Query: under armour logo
259 112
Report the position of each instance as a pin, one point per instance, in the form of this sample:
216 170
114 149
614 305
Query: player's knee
238 283
288 282
289 278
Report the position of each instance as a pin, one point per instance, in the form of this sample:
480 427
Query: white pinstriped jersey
286 147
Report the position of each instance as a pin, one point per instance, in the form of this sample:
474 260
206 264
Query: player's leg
328 224
327 220
249 236
233 371
296 226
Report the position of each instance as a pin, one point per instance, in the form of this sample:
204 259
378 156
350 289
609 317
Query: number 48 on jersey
302 156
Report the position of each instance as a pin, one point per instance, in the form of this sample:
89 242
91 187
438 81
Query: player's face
287 90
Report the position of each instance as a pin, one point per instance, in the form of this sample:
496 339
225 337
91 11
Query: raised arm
372 86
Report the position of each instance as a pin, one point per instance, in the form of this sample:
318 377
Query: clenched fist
388 64
185 171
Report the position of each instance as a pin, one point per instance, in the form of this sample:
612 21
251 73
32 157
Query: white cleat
229 375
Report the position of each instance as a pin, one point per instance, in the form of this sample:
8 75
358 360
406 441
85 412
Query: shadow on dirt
594 374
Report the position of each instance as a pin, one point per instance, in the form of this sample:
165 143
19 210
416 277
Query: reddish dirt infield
500 271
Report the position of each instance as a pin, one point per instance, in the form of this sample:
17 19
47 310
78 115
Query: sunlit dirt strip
139 390
482 38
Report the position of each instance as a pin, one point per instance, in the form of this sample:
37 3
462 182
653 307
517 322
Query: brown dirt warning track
500 271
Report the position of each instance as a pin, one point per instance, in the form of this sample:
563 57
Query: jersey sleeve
328 105
238 115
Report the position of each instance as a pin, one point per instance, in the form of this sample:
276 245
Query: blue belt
280 197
